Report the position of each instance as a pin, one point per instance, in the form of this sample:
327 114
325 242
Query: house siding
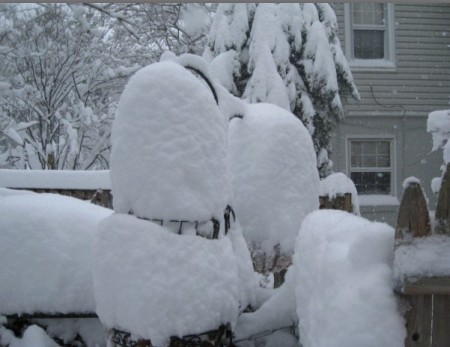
420 82
396 102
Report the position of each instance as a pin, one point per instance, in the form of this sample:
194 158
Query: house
399 55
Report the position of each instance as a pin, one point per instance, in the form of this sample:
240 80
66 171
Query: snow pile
277 312
33 336
339 184
274 177
46 253
344 282
168 155
422 257
247 278
55 179
156 284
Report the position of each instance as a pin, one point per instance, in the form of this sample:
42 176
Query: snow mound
168 157
46 253
409 181
33 336
344 287
275 182
339 184
156 284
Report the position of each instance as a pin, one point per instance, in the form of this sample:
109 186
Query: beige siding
420 82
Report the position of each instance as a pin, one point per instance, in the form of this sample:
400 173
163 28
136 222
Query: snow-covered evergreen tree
287 54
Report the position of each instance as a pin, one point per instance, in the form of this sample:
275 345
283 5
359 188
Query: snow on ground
55 179
339 184
422 257
168 157
46 253
344 282
274 177
156 284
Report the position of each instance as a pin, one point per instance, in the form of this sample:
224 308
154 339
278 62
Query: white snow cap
410 181
156 284
46 253
168 157
344 282
275 181
339 184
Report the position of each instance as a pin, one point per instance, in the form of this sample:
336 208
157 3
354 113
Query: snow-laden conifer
288 55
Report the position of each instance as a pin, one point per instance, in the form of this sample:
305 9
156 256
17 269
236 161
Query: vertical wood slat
418 321
413 215
441 321
413 218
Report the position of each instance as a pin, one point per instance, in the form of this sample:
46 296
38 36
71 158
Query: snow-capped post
413 217
443 206
165 272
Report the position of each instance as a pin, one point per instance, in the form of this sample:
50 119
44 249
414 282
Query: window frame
388 62
392 169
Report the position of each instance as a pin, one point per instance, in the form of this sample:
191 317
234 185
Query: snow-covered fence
422 266
94 186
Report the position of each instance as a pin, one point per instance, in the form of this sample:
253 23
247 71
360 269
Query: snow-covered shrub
275 181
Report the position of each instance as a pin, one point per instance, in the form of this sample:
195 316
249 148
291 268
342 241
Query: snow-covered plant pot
154 279
275 181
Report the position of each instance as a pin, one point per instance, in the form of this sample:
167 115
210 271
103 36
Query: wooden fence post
413 219
340 202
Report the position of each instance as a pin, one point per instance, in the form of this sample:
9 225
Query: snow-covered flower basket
154 279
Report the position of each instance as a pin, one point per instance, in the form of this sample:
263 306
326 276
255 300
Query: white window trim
370 64
393 171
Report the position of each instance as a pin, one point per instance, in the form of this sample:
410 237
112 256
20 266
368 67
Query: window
371 165
369 34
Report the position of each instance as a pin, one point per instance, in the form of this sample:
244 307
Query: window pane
372 182
369 160
368 14
369 147
368 44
